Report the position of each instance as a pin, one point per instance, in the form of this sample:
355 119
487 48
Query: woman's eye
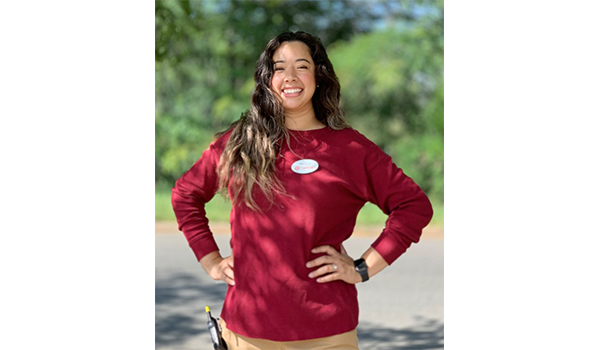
303 67
278 68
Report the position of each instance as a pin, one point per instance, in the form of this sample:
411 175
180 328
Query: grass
218 210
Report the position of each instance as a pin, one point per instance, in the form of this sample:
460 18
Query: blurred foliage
387 54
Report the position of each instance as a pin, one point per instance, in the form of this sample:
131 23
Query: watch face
361 267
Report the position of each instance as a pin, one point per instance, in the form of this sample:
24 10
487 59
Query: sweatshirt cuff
204 246
390 247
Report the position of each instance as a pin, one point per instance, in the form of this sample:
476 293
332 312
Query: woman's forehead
292 51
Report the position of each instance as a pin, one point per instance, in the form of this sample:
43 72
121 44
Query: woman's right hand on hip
219 268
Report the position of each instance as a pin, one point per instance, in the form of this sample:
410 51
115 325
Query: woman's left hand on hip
333 266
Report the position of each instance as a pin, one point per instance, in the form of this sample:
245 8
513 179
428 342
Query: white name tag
305 166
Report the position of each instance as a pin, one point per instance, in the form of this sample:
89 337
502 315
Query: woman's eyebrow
299 59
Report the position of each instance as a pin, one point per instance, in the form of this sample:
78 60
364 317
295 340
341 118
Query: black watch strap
361 267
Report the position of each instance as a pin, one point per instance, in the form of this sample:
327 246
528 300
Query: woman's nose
290 75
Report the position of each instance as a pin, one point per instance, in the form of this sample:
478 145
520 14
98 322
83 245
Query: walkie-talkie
215 332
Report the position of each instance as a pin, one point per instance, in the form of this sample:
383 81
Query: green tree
393 91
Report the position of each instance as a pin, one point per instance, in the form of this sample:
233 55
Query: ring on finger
334 267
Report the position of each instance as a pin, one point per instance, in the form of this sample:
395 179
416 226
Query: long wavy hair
251 152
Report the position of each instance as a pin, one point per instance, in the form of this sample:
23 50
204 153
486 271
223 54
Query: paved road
401 308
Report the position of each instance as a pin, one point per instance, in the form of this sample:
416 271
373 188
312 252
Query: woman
297 176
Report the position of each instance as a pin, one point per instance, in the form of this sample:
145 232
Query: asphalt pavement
400 308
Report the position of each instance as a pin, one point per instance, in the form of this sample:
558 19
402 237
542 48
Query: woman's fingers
328 263
333 266
229 274
227 271
219 268
322 260
329 268
325 249
330 277
325 259
229 280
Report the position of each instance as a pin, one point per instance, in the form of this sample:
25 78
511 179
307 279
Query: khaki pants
344 341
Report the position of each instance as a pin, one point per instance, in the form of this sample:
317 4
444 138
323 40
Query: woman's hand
334 266
218 268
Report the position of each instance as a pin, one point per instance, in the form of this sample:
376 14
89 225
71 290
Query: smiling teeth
291 91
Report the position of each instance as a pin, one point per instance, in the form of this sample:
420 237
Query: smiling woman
297 176
294 83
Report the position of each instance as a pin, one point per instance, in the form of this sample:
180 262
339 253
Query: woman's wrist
210 262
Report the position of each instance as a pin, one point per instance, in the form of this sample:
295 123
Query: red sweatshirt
273 297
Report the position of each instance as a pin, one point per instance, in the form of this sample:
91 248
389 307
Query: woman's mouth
292 92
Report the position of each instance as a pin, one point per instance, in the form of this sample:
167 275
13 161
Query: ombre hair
251 152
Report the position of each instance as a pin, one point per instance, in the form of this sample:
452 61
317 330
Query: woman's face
293 78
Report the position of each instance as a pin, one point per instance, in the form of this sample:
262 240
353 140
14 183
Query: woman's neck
305 120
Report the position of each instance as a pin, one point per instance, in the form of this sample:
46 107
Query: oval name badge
305 166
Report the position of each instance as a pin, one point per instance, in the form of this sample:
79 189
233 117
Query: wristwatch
361 267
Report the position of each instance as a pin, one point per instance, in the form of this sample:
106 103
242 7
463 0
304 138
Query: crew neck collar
309 131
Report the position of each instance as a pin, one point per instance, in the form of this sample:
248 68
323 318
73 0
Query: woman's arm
408 210
375 262
191 192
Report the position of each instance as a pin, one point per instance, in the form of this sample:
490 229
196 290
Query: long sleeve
191 192
397 195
